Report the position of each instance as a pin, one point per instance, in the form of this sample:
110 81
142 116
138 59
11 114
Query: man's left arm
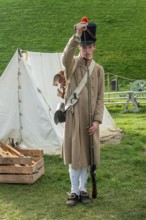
98 115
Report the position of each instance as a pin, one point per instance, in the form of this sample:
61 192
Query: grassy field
121 182
46 26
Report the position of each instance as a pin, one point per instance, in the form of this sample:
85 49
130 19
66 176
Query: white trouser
78 179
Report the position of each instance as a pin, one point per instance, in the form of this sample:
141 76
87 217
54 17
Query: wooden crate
25 169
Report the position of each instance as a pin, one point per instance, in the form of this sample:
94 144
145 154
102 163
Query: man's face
87 51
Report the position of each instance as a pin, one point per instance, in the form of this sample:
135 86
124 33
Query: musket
91 146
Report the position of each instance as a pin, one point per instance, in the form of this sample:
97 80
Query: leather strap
75 95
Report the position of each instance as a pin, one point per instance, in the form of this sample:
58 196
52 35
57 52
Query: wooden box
25 169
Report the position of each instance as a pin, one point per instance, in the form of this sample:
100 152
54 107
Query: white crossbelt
75 95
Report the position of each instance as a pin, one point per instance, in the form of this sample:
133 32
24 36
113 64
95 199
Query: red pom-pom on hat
84 19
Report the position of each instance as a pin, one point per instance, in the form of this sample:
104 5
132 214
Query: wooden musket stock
91 147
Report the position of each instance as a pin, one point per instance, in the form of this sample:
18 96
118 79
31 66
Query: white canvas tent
28 102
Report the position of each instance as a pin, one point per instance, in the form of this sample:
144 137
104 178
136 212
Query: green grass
120 181
46 26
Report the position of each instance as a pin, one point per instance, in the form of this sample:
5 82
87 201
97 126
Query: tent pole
19 88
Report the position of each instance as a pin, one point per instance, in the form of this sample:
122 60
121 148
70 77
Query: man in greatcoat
76 152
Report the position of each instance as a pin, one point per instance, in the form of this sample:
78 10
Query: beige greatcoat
76 139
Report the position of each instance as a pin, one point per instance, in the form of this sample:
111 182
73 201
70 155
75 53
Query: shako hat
89 35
